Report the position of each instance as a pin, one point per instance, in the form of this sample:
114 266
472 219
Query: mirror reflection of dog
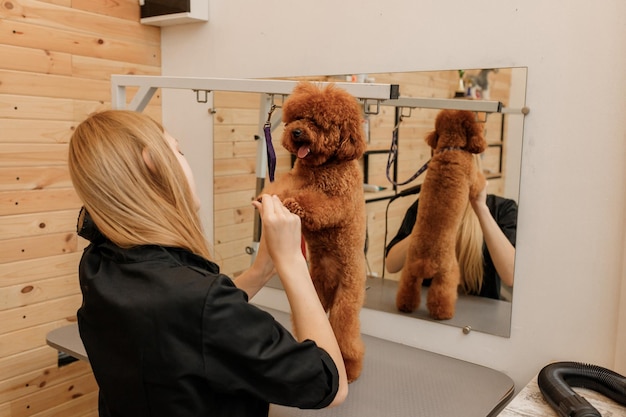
324 130
452 179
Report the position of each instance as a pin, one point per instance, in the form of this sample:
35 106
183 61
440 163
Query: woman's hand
479 202
281 235
281 228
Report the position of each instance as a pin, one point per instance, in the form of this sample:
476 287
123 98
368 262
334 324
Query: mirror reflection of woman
485 244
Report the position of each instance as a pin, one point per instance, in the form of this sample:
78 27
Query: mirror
238 116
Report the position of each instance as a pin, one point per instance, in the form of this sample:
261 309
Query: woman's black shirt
168 335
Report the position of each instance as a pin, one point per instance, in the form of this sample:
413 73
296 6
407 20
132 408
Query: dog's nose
296 133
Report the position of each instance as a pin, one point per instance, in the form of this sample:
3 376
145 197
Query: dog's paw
353 368
294 207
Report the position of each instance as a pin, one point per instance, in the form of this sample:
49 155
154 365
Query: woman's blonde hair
469 248
130 203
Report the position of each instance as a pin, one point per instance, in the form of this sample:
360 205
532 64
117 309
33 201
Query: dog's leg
344 319
341 289
443 293
409 293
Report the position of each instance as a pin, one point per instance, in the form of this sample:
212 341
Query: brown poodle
451 180
323 128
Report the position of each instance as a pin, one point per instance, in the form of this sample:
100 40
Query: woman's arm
500 248
399 245
254 278
282 231
394 261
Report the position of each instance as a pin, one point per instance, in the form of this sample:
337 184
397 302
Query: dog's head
457 129
322 124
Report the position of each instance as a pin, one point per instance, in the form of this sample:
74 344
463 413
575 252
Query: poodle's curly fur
451 180
323 128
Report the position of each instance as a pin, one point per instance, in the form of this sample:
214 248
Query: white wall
572 196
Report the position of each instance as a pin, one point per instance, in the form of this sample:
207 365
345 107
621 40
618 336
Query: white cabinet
173 12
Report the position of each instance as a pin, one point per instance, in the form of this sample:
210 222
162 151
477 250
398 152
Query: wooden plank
40 313
234 200
33 201
229 233
32 154
51 397
35 131
20 272
27 383
245 149
235 216
122 9
38 291
37 224
81 406
235 266
35 60
77 43
233 249
238 133
27 339
72 19
101 69
225 116
28 361
43 108
55 86
231 183
34 178
242 166
223 150
83 108
66 3
19 249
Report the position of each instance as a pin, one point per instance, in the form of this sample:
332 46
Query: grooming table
397 381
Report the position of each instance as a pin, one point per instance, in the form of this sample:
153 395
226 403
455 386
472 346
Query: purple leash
271 153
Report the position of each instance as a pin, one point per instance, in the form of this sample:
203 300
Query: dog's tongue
303 151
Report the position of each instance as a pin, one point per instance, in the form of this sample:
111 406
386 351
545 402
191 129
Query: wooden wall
237 122
56 58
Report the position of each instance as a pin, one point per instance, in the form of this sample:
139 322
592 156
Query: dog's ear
476 143
352 142
432 138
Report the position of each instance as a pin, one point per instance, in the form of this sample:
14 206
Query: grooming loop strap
271 153
393 158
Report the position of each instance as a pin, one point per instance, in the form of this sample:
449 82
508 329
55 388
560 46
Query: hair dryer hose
557 379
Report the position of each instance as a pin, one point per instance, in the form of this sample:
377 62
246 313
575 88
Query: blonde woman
165 332
485 244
